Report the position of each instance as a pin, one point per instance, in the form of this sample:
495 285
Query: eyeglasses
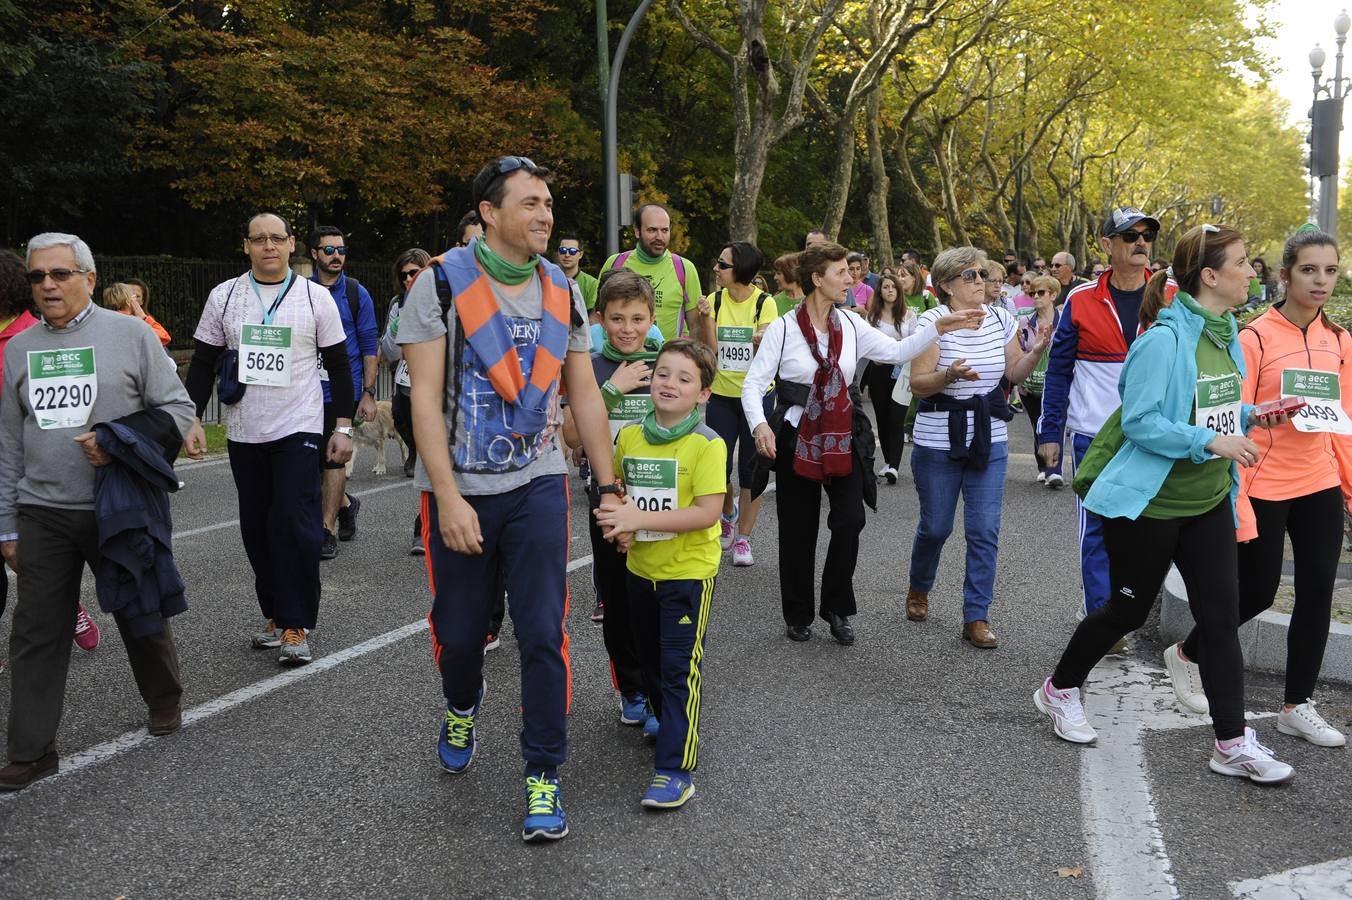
1131 237
409 273
1041 292
569 251
258 240
973 275
330 250
38 276
719 264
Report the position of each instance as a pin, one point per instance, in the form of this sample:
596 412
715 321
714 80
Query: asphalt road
908 765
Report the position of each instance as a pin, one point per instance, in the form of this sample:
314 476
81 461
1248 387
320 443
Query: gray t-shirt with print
485 459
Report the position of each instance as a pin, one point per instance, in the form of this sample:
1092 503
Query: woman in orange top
123 298
1301 482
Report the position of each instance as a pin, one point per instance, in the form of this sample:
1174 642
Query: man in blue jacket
328 249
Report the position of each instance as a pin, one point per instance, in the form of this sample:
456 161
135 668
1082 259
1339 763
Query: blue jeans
939 480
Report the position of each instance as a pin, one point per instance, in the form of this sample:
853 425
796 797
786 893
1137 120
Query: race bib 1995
651 485
1323 398
62 386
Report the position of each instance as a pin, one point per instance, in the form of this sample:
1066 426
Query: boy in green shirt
674 475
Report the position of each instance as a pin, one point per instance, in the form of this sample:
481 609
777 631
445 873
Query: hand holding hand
617 518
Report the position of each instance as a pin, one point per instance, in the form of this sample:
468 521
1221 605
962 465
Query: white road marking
207 529
100 753
1326 880
189 465
1123 700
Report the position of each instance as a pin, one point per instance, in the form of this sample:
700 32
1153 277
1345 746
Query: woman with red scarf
811 354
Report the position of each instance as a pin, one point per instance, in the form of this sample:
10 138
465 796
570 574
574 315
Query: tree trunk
880 186
842 172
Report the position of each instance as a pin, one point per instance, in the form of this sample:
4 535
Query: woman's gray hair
950 264
84 257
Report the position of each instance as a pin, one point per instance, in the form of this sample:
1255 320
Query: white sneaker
1187 681
1250 760
728 527
1055 481
741 552
1305 722
1066 713
889 474
1041 477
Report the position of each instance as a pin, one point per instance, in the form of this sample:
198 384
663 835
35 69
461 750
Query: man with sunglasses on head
492 333
82 377
1098 324
674 278
570 260
285 330
328 251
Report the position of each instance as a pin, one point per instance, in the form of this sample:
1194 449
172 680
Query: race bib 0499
62 386
1323 398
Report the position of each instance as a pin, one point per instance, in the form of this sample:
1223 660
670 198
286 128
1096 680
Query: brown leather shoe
165 721
917 605
979 634
19 775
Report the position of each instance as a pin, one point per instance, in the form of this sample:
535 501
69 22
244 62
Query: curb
1263 640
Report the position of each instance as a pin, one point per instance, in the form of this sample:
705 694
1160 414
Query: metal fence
179 287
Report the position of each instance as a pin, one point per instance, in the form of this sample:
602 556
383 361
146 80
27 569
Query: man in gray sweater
81 366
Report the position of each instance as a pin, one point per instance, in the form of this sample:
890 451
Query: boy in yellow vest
673 468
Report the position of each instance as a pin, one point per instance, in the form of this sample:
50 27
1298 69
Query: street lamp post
1326 121
612 175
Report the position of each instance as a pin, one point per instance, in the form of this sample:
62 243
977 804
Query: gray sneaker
269 638
295 646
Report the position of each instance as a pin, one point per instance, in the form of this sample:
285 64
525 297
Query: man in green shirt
674 278
570 260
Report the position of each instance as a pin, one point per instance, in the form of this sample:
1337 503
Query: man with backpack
328 249
674 278
492 333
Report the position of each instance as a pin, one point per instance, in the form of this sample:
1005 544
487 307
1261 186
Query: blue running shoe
651 726
545 818
669 789
633 708
456 744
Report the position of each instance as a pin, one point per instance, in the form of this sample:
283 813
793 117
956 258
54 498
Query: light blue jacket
1158 386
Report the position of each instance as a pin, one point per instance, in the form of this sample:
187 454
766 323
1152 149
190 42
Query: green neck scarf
500 269
647 354
646 259
1219 329
654 433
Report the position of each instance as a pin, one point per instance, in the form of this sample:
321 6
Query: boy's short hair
624 284
698 353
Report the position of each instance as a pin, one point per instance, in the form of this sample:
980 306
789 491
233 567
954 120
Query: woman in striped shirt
961 442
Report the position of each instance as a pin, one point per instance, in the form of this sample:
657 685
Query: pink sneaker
86 630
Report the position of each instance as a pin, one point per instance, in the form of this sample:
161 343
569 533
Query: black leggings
890 414
1315 523
1139 553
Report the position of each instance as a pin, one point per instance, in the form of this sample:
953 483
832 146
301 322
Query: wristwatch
613 488
369 390
344 430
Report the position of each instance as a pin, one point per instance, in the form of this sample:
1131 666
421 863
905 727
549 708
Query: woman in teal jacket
1168 496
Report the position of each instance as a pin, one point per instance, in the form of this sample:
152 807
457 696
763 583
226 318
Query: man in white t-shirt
282 326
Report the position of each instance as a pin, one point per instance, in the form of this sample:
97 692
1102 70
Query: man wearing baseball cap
1099 321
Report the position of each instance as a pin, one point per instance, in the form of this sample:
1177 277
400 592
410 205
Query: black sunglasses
330 250
971 275
1131 237
408 273
38 276
719 264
